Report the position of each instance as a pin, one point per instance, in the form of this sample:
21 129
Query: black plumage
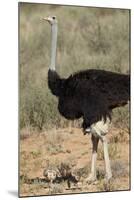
91 94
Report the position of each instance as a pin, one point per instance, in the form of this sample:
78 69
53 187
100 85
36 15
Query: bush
97 38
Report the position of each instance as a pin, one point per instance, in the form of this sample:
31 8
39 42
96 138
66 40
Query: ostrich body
90 94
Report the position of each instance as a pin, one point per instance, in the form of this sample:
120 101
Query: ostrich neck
54 30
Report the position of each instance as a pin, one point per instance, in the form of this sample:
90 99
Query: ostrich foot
91 179
108 178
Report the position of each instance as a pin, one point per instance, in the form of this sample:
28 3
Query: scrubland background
87 38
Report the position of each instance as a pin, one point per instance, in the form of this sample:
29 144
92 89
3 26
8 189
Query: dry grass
113 151
97 38
35 157
106 187
55 142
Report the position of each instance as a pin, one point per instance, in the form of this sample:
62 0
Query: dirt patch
39 152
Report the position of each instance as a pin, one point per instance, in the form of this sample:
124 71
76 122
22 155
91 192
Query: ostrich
90 94
51 176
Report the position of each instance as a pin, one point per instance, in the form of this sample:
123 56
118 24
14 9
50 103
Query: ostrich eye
53 17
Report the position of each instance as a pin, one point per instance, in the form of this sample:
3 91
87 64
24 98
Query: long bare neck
54 30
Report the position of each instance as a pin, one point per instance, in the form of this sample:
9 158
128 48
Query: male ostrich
90 94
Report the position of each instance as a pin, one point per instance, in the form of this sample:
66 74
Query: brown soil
39 150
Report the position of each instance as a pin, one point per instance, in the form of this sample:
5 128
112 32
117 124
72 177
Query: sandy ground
41 151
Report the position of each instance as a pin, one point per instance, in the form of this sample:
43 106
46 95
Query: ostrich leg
100 129
106 157
92 176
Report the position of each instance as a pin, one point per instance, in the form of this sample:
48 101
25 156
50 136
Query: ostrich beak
46 19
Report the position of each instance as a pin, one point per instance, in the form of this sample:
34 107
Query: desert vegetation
87 38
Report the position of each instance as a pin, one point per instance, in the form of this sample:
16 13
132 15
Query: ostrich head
51 20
